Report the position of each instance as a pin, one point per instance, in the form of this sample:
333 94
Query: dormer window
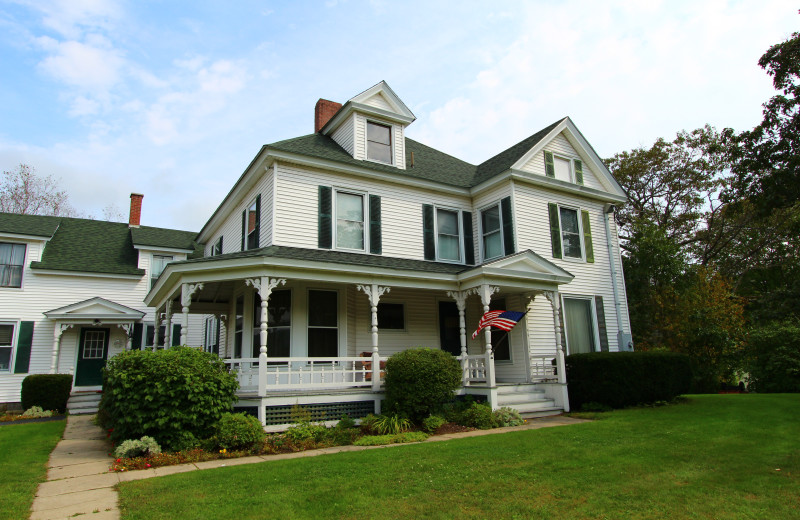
379 142
563 168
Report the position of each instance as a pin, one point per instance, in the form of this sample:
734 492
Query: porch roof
96 308
521 271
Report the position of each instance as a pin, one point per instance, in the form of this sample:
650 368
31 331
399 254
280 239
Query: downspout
623 339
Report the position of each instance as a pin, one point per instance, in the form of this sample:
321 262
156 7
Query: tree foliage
25 192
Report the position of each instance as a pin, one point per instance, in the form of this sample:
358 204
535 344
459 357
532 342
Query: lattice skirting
282 414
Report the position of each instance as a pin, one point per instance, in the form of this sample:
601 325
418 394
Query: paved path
79 481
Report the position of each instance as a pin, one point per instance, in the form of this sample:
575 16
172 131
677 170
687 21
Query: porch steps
84 403
527 399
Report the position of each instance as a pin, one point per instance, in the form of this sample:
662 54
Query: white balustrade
543 367
474 367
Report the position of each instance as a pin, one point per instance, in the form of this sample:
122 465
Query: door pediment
95 309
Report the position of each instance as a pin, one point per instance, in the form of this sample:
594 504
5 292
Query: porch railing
478 368
306 373
543 367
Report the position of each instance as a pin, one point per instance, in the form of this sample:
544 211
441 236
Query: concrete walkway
79 481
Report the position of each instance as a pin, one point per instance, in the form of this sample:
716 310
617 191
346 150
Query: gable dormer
370 126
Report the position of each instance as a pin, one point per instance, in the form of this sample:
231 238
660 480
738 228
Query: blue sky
173 99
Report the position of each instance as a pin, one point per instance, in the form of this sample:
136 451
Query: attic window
379 142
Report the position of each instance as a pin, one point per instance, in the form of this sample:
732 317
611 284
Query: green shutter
136 339
324 221
244 228
587 237
555 230
508 226
601 323
469 239
428 237
375 245
176 334
549 165
258 221
24 342
578 171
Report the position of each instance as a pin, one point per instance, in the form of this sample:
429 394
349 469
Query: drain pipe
624 340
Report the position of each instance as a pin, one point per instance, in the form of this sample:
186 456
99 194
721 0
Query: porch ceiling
524 271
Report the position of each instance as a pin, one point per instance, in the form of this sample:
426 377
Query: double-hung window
157 267
379 142
211 342
323 324
12 260
279 323
391 316
350 221
149 338
570 233
579 325
6 346
448 234
563 168
251 233
216 249
492 232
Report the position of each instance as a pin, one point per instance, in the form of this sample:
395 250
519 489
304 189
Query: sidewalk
79 481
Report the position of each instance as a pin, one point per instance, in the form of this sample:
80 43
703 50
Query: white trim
14 339
164 249
55 272
335 213
18 237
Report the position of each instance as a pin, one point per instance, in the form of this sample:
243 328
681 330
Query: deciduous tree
25 192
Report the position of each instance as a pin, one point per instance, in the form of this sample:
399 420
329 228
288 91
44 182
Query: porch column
374 293
128 328
555 303
264 285
167 325
461 303
187 291
486 292
58 330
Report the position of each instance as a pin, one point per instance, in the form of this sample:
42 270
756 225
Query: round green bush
506 416
49 391
420 381
478 416
175 395
238 431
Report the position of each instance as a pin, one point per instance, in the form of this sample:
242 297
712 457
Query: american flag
504 320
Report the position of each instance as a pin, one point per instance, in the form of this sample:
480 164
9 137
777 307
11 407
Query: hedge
773 358
175 395
50 391
620 379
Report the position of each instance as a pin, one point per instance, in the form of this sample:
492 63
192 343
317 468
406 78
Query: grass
721 457
24 450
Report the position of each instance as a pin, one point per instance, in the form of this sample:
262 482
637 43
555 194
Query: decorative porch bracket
555 303
485 292
187 291
58 330
374 293
461 303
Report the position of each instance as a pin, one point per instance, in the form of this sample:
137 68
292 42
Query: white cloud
93 66
71 18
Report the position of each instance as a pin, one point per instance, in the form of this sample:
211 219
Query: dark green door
449 329
92 354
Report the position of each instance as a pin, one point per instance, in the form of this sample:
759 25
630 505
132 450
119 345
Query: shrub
238 431
620 379
49 391
420 381
773 358
397 438
478 416
368 423
345 422
506 416
390 424
305 431
36 412
137 448
175 395
432 423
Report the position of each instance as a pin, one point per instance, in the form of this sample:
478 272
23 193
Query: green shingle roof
429 163
94 246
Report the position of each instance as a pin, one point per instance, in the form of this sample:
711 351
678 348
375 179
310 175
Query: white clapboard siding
231 228
345 134
45 292
561 146
591 279
401 209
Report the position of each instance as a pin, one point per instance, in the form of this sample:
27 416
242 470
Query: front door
449 328
92 354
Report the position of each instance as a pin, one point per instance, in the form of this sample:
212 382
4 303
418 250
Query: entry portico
305 326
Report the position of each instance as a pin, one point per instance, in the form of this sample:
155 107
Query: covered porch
316 327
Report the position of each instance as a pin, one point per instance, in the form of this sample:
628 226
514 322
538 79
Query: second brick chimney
136 210
323 112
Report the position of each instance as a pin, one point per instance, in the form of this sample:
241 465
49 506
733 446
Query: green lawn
24 450
720 457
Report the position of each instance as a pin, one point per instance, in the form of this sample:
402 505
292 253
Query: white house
72 294
337 249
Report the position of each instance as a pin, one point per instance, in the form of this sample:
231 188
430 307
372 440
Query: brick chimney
323 112
136 210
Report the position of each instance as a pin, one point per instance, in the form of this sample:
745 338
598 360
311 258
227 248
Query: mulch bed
451 428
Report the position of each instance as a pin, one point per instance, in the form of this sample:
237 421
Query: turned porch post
461 303
58 330
167 325
552 297
264 285
374 293
187 291
486 292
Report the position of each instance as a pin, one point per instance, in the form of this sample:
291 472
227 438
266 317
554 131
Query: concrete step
84 403
541 413
519 397
524 388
